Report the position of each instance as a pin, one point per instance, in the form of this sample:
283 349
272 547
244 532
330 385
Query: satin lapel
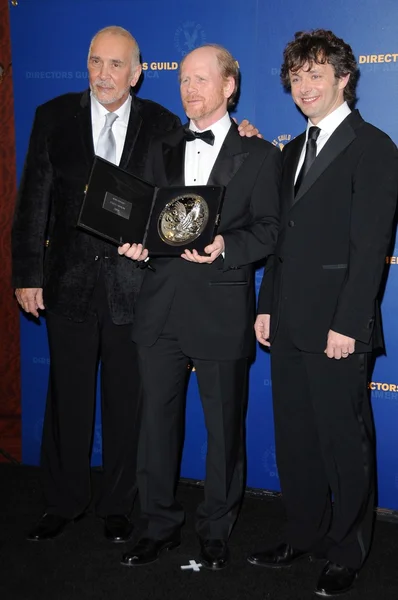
339 140
133 128
85 127
230 158
174 158
291 160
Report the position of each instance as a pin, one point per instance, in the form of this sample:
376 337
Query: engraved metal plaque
117 206
183 219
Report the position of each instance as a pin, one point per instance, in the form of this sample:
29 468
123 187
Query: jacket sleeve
257 240
265 296
375 189
32 210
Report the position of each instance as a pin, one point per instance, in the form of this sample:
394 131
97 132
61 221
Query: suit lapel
85 127
174 159
292 154
229 159
338 141
133 129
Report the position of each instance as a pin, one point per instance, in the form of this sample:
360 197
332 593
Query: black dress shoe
214 554
283 555
118 528
48 528
335 580
147 551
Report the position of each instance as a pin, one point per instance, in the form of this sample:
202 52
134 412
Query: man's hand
246 129
339 345
214 250
30 299
261 327
133 251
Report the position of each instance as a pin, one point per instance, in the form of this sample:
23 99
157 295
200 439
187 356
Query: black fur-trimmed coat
56 171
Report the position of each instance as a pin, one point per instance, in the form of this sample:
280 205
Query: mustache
100 83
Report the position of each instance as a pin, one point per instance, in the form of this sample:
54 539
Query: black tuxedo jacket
215 302
57 167
333 239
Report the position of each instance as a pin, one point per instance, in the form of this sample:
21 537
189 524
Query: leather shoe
48 528
148 550
214 554
283 555
335 580
118 528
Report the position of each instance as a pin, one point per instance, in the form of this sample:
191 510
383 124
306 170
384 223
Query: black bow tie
207 136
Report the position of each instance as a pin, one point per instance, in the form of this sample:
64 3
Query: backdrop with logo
49 43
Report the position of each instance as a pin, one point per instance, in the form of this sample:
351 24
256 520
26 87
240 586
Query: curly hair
320 46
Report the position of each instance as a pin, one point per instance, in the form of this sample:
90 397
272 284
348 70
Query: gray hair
116 30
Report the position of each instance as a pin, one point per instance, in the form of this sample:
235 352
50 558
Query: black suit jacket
57 167
215 302
333 238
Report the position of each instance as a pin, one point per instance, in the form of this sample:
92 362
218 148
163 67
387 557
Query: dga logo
269 462
188 37
282 140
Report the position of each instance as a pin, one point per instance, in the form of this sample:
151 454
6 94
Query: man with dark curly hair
319 312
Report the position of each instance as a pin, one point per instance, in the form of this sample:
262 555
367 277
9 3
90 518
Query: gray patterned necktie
106 145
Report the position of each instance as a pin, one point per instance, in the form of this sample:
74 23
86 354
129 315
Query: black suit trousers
223 391
76 349
325 450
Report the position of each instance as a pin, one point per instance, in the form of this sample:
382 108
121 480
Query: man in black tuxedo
87 289
319 310
200 308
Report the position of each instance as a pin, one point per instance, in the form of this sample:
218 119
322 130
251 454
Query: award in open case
120 208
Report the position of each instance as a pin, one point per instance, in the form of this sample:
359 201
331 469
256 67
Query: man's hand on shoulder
246 129
214 250
261 327
338 345
30 300
133 251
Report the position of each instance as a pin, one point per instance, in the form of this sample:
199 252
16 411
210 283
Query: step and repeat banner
50 40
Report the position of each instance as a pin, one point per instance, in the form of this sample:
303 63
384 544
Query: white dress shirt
200 156
119 128
327 127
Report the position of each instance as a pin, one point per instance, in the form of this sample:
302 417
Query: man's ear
229 87
343 81
136 75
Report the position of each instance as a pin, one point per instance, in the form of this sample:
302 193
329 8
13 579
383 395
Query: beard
109 99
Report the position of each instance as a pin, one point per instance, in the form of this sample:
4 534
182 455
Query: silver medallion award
120 207
183 219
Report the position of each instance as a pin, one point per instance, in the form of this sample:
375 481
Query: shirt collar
98 111
219 128
332 121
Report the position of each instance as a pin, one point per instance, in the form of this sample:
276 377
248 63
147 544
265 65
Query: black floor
81 565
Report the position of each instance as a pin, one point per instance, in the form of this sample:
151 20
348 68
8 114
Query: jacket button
291 223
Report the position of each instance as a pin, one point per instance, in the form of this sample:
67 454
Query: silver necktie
106 145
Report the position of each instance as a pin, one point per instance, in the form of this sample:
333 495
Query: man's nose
305 86
104 72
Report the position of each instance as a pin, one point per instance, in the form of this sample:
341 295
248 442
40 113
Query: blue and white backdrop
50 40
